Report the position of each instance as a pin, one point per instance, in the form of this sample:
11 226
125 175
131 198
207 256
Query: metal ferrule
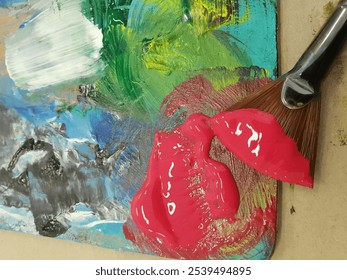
303 81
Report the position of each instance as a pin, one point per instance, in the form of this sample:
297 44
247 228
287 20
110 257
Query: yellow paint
236 247
212 16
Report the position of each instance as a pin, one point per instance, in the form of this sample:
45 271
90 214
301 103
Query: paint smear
150 47
258 139
80 185
8 3
56 45
185 190
250 234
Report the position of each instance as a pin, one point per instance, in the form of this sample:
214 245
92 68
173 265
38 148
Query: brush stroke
63 47
184 190
100 127
248 234
72 167
7 3
258 139
146 60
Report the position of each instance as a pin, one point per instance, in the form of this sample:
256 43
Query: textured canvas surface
84 86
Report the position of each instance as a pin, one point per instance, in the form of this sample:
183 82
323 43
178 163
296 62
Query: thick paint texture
258 139
185 190
85 85
63 47
152 46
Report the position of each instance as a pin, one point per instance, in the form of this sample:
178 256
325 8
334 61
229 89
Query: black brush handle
302 83
317 59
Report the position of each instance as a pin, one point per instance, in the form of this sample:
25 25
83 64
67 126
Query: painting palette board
84 87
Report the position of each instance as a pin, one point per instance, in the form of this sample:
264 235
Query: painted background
82 84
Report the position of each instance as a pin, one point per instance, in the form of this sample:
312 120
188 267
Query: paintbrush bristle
301 125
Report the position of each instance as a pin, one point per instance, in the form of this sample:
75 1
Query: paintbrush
294 98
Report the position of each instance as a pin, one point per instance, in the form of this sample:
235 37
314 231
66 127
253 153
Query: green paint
104 13
151 46
65 107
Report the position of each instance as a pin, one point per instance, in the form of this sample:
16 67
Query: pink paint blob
258 139
185 190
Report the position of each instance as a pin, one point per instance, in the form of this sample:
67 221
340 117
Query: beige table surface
318 227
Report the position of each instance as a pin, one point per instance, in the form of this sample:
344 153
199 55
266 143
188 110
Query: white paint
177 146
58 45
170 169
254 136
171 207
167 195
185 18
159 240
18 219
27 159
238 131
144 216
79 140
256 150
103 222
168 185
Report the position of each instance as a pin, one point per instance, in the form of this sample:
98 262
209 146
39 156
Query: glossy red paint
185 190
258 139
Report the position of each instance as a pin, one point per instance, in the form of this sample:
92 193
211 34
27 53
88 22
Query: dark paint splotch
50 172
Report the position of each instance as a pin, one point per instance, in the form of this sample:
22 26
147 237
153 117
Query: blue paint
104 234
8 3
261 251
103 124
115 192
25 23
38 112
95 125
77 124
18 218
111 228
109 128
36 191
82 208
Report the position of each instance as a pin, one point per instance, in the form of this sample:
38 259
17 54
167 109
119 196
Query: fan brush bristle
302 125
300 115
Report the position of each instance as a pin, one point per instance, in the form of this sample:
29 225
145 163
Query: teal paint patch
258 35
